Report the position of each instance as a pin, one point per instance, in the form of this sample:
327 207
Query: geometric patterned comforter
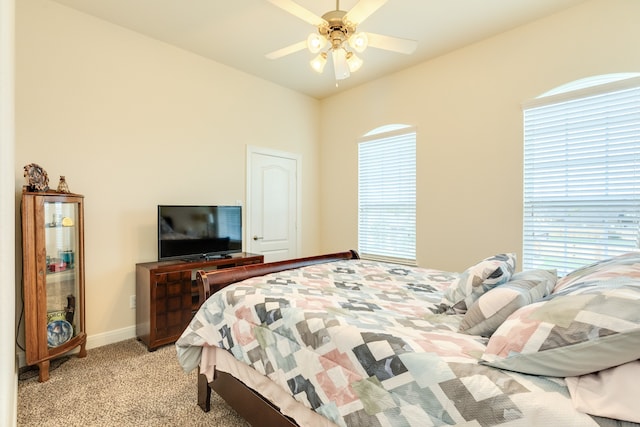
361 343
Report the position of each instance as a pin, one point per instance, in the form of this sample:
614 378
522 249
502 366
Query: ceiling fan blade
340 66
395 44
287 50
299 11
362 10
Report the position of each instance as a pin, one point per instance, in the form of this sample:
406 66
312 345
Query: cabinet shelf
61 273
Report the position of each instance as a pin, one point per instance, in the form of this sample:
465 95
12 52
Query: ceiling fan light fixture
336 35
319 62
315 42
359 42
353 62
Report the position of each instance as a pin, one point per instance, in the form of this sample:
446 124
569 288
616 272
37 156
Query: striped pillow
493 308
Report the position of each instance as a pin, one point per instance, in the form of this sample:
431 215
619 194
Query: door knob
257 238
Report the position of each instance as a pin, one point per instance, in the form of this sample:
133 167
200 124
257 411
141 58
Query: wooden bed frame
248 403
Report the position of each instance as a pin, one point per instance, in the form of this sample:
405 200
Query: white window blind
581 176
387 196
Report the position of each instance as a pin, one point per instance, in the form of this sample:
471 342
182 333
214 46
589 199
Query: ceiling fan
337 30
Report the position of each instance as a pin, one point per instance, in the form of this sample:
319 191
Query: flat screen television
198 232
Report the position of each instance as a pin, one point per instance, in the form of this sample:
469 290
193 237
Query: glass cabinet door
52 276
62 243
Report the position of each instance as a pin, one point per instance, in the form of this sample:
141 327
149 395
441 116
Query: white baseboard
93 341
111 337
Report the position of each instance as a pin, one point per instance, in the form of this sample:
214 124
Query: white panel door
272 198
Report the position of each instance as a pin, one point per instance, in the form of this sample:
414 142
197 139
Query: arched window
387 194
582 173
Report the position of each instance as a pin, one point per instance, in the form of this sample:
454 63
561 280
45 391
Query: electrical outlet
132 301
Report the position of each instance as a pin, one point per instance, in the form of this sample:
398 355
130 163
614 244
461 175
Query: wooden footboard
257 410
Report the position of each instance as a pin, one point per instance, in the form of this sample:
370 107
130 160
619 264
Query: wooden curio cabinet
53 276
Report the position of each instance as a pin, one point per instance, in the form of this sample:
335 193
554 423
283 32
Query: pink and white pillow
591 322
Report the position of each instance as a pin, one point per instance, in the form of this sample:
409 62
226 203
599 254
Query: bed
337 340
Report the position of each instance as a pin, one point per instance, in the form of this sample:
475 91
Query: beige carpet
120 384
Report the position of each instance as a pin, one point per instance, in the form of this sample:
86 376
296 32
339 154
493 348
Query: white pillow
612 393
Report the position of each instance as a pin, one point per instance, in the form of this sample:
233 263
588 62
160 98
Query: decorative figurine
70 309
62 185
37 178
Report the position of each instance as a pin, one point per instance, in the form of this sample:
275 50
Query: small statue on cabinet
62 185
37 177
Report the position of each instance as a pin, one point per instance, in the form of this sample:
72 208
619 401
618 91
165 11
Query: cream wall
133 123
8 366
467 109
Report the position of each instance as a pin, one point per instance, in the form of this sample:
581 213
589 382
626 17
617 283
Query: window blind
581 178
387 196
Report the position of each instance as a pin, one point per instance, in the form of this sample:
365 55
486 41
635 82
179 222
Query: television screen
193 232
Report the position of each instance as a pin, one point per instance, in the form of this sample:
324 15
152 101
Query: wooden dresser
167 295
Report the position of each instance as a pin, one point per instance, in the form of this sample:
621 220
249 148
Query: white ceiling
239 33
